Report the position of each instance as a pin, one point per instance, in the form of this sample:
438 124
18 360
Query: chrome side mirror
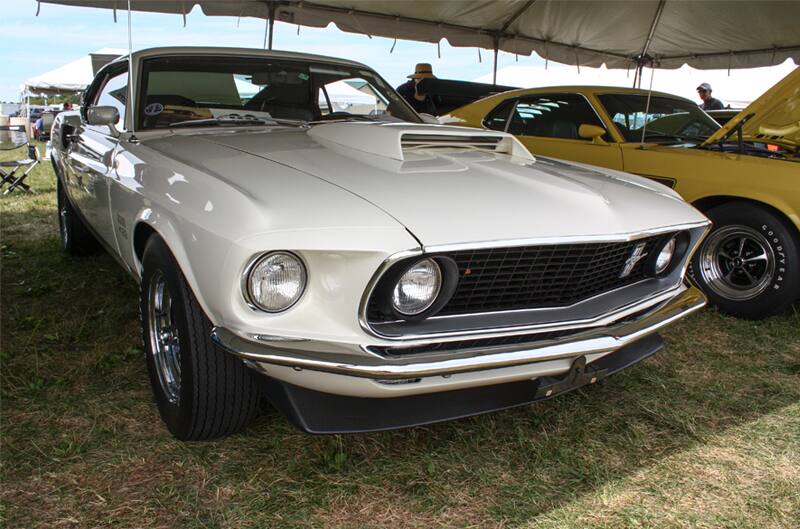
103 115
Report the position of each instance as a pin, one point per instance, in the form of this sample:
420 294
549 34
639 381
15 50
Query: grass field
705 434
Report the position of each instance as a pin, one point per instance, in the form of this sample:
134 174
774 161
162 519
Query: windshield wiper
679 137
218 121
342 119
224 120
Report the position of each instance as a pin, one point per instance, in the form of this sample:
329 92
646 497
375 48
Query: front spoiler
325 413
600 340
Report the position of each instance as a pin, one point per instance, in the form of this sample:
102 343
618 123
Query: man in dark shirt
408 90
709 103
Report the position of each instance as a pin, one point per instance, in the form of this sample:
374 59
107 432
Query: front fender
340 263
195 263
757 196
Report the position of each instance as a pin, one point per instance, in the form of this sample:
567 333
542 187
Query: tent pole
131 92
494 69
647 106
271 23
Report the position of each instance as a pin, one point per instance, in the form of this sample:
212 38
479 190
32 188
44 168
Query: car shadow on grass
79 421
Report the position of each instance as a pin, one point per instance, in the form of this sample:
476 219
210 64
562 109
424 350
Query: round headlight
665 256
417 289
276 281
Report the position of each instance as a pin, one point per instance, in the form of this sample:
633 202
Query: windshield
667 118
204 90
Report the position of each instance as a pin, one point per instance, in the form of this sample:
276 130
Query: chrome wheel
737 262
163 333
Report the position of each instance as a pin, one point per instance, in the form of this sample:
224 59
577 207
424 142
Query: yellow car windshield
667 119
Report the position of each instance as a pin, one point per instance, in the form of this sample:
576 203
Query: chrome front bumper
593 342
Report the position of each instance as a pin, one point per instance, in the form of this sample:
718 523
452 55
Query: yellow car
744 176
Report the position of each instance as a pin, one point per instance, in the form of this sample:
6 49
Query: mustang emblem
637 255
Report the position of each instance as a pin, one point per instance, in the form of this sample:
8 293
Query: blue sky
34 45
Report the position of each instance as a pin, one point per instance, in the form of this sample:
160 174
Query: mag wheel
202 392
164 341
737 263
749 264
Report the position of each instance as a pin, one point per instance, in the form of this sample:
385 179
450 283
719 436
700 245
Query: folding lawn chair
47 123
15 172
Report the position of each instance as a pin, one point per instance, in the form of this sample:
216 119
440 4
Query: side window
498 118
115 93
552 116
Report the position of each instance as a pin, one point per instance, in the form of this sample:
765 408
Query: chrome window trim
621 237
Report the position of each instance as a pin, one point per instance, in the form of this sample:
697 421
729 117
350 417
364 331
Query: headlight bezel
381 293
253 264
440 274
679 254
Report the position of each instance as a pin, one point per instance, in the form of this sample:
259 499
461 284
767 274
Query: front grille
540 276
530 277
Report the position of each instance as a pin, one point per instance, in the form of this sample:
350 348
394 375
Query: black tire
76 239
734 275
216 394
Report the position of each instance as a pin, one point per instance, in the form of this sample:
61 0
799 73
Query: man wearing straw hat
420 103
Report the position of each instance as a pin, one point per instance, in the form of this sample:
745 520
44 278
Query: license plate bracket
579 374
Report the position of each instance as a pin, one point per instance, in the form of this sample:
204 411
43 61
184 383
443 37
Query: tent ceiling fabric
702 33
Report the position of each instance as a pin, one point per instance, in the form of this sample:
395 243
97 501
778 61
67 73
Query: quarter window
497 119
115 94
552 116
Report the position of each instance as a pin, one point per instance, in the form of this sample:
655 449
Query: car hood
772 118
457 192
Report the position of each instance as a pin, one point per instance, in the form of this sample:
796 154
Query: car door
659 132
91 158
548 125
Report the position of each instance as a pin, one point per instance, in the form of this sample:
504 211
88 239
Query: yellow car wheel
749 265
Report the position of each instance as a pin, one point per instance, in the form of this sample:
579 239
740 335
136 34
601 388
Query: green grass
705 434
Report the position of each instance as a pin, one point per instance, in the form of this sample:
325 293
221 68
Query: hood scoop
393 140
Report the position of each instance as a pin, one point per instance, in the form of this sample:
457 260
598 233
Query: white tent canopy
621 34
339 92
737 88
342 93
72 77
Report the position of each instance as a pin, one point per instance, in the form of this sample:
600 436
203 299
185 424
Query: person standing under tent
408 90
709 103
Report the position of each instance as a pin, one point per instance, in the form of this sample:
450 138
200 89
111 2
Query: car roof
249 52
587 90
